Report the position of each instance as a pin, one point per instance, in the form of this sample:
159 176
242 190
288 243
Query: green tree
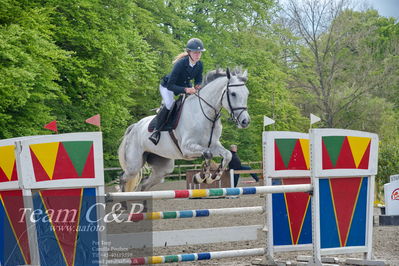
343 65
339 60
28 72
109 70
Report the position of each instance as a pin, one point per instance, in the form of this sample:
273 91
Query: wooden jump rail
253 171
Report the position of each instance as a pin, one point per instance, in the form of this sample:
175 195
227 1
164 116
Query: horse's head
236 96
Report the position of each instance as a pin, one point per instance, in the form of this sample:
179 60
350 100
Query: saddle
173 117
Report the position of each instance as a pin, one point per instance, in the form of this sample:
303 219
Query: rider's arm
177 71
198 76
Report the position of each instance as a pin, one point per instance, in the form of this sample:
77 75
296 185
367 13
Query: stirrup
155 136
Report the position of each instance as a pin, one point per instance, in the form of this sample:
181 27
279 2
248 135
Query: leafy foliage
28 72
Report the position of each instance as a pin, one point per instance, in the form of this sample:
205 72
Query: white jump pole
198 193
190 257
191 213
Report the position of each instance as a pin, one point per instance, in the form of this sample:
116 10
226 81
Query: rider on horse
187 67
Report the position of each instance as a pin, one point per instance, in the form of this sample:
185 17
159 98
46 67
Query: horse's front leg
219 150
193 150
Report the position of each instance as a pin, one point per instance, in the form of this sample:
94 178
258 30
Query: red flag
52 126
94 120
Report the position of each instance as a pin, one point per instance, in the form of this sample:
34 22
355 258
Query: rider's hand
190 90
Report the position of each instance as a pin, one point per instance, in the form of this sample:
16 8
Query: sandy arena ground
385 238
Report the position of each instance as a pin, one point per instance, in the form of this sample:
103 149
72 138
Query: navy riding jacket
181 76
235 162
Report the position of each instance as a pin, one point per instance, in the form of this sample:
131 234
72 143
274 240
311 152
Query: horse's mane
217 73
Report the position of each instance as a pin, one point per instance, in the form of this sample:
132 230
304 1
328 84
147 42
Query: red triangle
344 195
65 227
88 170
364 163
14 205
14 175
297 205
297 160
278 160
94 120
327 164
51 126
63 165
345 158
3 177
40 173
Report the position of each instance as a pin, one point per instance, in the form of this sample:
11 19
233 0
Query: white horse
197 133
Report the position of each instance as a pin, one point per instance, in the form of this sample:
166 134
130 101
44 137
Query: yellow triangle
358 146
305 149
7 160
46 153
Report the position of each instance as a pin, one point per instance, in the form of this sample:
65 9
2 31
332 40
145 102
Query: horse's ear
228 73
244 75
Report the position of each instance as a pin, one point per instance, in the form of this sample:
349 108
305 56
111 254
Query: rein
218 112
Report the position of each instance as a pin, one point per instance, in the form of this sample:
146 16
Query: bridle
232 110
218 112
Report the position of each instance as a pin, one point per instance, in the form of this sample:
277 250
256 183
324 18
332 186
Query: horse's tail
122 148
132 183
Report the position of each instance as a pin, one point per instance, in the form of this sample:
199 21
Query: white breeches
167 97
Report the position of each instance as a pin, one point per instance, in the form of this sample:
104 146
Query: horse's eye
233 94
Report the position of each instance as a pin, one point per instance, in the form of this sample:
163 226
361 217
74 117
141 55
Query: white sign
393 178
391 191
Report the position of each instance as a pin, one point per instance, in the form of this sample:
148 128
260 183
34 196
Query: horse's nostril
245 122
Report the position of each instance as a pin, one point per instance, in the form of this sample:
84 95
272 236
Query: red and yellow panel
8 168
345 152
291 154
63 160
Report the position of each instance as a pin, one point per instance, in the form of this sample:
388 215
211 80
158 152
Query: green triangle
333 145
78 152
286 146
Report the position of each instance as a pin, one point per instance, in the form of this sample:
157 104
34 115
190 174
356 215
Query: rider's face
195 56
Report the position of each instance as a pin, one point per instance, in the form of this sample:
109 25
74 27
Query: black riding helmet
195 45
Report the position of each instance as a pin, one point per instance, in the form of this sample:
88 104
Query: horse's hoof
209 180
108 199
207 154
120 187
217 178
198 179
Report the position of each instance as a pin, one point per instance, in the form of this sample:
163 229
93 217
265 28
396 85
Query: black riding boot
161 120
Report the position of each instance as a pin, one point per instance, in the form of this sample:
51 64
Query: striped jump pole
213 192
191 213
191 257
